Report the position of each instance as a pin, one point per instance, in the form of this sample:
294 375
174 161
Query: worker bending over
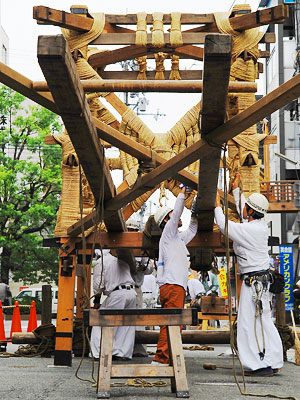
173 263
115 281
258 341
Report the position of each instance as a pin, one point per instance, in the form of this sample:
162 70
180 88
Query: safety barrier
16 320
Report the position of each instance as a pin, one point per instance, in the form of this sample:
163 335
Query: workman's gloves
187 188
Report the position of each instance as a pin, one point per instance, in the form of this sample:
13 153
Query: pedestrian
5 294
210 282
112 277
173 264
258 341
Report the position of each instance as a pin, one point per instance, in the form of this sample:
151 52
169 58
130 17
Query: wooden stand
172 318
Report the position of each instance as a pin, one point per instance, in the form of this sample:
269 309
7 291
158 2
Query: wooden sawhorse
171 317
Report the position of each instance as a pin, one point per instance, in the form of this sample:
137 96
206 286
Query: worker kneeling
259 344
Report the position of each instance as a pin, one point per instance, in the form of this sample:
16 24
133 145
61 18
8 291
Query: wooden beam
59 69
64 19
134 240
186 19
191 74
173 86
274 100
23 85
272 15
216 72
129 39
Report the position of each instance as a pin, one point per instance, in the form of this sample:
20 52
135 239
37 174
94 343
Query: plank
47 15
129 39
153 317
177 361
173 86
216 72
274 100
105 360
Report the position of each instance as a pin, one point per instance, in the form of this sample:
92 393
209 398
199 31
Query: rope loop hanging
158 30
175 31
141 29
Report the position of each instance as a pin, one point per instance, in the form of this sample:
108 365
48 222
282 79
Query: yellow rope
175 31
158 30
174 74
142 64
159 61
141 29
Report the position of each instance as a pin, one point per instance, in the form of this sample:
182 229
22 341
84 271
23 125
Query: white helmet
161 214
258 202
132 223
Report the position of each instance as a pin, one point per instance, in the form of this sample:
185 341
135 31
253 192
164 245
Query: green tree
30 183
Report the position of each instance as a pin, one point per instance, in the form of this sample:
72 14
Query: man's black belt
120 287
262 276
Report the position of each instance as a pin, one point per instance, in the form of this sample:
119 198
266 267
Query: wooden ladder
172 318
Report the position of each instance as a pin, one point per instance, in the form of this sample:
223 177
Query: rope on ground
197 347
139 382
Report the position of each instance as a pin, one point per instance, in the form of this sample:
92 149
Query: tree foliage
30 183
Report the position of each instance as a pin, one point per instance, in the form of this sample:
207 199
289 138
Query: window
25 293
4 54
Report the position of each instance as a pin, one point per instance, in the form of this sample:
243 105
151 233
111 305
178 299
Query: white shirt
147 266
115 272
250 240
173 260
149 285
195 287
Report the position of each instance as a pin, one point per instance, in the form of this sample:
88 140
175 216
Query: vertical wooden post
65 309
46 317
81 293
105 362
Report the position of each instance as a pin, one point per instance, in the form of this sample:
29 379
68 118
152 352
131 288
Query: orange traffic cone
16 320
2 331
32 322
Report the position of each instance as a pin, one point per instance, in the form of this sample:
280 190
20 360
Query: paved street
36 378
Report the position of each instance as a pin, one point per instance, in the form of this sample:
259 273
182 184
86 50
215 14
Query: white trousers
139 348
123 335
246 336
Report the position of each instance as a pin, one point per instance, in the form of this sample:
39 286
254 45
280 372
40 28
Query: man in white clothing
149 291
194 288
173 264
112 277
259 343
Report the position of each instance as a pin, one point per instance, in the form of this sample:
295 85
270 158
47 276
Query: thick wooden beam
191 74
216 71
129 39
272 15
172 86
186 19
259 110
60 72
134 240
64 19
23 85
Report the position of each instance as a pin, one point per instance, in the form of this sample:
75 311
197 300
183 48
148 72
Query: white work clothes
246 340
250 244
123 335
149 291
250 240
195 287
115 273
173 260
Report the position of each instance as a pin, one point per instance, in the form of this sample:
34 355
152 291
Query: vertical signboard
223 283
286 269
